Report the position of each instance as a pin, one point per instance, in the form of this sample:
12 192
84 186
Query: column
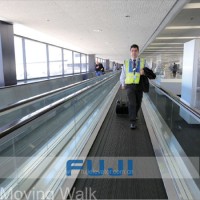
7 55
111 64
91 62
159 69
150 63
190 78
107 67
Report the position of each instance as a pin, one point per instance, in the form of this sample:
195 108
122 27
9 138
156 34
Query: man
99 69
114 67
174 70
130 80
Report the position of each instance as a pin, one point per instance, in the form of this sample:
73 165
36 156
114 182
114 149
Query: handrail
45 94
176 99
7 129
42 79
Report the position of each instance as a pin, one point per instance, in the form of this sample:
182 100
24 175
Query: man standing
174 70
130 79
99 69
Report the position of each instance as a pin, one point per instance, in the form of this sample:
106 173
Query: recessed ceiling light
97 30
183 27
107 43
192 6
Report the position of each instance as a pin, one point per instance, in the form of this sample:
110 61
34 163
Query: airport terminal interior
61 136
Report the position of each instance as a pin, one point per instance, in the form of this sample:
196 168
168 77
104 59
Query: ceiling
106 28
168 45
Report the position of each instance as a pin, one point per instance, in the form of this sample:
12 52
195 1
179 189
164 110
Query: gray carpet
116 139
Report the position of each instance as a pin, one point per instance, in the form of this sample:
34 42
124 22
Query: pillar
190 78
107 64
91 62
7 55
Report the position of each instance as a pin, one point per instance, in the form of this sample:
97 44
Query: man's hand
141 72
123 87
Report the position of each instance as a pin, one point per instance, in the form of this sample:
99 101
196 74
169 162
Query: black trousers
135 95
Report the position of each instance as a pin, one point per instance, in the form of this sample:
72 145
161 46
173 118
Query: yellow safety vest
131 76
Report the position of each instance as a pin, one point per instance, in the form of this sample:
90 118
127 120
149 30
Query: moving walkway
83 124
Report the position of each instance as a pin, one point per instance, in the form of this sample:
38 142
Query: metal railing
8 128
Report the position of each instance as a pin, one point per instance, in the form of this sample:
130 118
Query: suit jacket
144 79
149 73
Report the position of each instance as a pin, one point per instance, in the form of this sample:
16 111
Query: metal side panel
177 187
106 106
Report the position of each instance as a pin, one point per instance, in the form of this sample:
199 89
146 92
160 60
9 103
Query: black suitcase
121 107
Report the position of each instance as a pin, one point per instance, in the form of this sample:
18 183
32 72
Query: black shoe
133 126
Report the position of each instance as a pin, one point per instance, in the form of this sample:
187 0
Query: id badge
135 77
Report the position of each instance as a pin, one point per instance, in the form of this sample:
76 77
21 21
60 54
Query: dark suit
135 92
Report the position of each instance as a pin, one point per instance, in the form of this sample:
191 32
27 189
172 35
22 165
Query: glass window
19 58
36 59
77 64
55 60
87 63
68 62
83 63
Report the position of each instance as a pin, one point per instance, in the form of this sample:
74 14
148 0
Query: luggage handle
121 94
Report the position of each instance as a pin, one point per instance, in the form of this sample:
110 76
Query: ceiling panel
180 33
120 22
187 17
194 1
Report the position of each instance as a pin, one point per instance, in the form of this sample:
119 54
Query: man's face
134 52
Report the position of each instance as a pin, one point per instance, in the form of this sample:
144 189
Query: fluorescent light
164 47
192 6
162 50
160 43
171 38
107 43
183 27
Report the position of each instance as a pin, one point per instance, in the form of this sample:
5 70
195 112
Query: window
19 58
83 63
55 60
77 62
68 62
87 63
36 59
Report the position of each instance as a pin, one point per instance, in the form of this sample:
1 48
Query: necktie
134 64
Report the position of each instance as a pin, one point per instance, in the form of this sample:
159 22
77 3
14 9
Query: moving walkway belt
116 139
